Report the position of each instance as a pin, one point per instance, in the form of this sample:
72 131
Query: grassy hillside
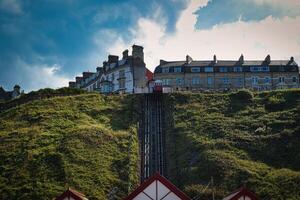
237 139
88 142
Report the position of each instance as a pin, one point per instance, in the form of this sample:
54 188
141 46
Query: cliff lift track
152 138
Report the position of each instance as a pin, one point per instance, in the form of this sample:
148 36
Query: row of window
221 69
225 80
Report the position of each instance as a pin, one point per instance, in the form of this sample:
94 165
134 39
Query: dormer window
209 69
259 69
165 70
195 69
177 69
223 69
237 69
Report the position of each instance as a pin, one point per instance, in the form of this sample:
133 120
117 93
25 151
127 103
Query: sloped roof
227 63
241 192
160 187
72 193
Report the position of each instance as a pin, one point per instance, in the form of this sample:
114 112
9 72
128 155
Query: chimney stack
78 79
113 59
215 59
292 59
161 62
138 51
188 59
99 69
268 59
241 59
125 54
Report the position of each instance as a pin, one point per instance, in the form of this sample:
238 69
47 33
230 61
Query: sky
47 43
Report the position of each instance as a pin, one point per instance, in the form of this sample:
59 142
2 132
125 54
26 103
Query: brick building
216 74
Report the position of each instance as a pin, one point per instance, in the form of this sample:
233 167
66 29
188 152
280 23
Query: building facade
216 74
126 75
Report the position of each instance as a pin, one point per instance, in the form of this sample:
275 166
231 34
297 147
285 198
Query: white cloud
34 77
280 2
278 37
11 6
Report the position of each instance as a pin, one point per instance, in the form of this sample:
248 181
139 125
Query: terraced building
126 75
216 74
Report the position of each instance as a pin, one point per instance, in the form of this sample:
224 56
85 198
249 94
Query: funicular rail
152 137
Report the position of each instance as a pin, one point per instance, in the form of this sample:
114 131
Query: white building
128 75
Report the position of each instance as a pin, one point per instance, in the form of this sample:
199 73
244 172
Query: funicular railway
152 139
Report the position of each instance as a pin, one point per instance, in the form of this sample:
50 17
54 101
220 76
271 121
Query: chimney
188 59
86 75
268 59
125 54
161 62
138 51
72 84
78 79
241 59
215 59
292 59
113 59
99 69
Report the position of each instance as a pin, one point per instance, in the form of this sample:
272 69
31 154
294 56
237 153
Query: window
209 80
265 69
225 80
259 69
209 69
255 80
237 69
165 70
112 77
122 74
121 84
177 69
223 69
195 69
253 69
281 79
267 80
166 81
240 81
195 80
294 79
179 81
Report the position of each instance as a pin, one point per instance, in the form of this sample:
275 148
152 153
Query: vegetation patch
88 142
237 138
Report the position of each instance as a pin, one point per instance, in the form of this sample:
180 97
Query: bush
242 95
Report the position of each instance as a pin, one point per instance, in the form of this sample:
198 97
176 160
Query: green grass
88 142
238 138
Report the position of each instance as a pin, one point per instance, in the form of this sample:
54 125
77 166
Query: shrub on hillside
242 95
275 103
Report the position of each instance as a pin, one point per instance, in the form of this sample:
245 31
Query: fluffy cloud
278 37
39 76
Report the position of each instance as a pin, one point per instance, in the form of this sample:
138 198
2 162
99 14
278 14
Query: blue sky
46 43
